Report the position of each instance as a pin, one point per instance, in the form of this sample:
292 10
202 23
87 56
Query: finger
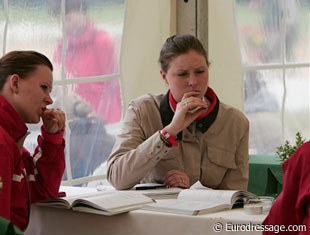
170 175
54 114
47 113
195 100
53 123
191 94
53 128
192 102
194 107
174 177
183 183
60 119
60 123
171 172
175 184
169 179
178 182
196 114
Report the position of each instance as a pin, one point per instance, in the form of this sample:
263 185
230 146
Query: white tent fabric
153 21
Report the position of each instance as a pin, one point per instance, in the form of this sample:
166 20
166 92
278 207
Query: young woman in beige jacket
184 135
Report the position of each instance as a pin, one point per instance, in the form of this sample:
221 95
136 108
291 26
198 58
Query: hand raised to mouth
187 110
54 120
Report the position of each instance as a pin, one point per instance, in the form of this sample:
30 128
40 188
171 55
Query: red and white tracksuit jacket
25 179
291 209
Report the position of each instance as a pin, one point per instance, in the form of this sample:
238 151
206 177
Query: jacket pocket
222 157
215 166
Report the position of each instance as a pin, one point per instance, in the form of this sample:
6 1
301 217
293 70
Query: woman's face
33 94
187 72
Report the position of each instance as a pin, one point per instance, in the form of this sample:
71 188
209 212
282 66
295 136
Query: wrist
56 138
168 139
171 130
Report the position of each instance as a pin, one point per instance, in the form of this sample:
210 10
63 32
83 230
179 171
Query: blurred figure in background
263 112
89 52
90 144
280 21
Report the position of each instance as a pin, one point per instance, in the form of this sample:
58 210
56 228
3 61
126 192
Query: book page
65 202
113 200
55 202
93 210
214 196
185 206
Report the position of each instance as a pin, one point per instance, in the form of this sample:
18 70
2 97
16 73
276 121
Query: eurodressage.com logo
249 227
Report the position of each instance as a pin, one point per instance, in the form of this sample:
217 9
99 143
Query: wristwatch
169 140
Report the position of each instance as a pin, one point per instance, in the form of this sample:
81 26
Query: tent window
82 38
274 40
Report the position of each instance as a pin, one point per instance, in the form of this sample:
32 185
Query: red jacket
25 179
292 206
93 54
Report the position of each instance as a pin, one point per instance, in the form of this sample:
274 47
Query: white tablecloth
52 221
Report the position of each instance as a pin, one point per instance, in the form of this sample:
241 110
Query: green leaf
286 150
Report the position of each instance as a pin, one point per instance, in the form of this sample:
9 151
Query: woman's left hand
54 120
177 179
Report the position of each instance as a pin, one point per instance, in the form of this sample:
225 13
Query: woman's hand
177 179
54 120
188 109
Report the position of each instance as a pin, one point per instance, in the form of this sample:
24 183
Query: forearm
128 165
46 167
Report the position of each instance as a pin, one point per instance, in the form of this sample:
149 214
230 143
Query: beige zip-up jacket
213 150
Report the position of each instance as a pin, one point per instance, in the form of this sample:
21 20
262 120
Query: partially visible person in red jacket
89 51
25 85
290 213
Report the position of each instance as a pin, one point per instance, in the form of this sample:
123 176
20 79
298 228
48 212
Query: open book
200 201
103 203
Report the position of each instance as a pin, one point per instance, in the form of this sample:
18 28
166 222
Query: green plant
286 150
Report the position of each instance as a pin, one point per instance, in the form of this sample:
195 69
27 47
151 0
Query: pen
145 187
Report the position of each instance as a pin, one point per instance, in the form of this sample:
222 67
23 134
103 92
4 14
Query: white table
52 221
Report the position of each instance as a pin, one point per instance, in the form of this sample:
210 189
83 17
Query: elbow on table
119 184
118 181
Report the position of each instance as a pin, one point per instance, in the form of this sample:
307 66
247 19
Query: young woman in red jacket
290 213
25 85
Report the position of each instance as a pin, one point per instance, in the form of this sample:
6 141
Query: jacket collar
168 105
11 121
